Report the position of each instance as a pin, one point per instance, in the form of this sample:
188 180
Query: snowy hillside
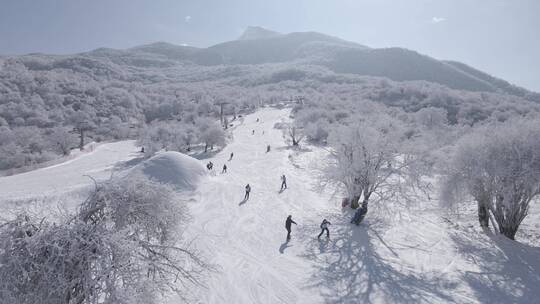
419 255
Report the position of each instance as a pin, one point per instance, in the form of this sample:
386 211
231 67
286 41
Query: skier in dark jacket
324 226
359 214
283 182
267 148
288 223
224 169
248 190
230 158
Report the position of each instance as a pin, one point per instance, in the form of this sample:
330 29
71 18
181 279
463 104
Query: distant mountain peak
257 32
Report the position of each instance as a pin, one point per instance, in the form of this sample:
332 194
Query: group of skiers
357 218
324 227
210 166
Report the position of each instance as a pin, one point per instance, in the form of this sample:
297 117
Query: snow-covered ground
417 256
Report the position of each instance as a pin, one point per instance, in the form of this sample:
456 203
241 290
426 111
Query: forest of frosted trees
384 134
49 102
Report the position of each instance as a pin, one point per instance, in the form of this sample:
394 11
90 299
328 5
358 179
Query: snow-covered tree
121 247
294 132
498 166
212 135
62 140
374 156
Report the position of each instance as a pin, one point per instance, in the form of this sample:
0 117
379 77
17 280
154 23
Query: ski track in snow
418 258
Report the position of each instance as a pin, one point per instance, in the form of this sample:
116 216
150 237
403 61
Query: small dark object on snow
252 132
288 223
230 158
267 147
359 214
324 226
248 190
283 182
142 149
224 169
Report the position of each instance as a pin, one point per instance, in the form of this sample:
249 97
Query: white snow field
419 255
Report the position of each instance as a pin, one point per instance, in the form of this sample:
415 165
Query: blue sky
498 36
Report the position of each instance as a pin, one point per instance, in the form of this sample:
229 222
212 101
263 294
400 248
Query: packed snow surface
100 164
181 171
401 253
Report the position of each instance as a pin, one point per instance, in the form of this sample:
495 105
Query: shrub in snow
499 166
62 140
121 247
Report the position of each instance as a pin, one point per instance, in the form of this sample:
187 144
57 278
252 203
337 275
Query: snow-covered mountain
257 32
259 46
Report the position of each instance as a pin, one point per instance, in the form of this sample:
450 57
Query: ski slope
417 255
71 175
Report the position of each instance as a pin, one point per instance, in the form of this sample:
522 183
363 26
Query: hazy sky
501 37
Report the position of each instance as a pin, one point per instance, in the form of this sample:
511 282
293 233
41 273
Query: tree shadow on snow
509 271
200 155
351 270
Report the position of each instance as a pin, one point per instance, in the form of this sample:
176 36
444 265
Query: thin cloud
187 19
438 19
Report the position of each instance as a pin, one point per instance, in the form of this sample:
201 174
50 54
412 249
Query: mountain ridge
258 45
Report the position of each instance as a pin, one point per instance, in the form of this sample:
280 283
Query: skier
248 190
210 165
142 149
267 148
283 182
288 223
257 120
324 226
359 214
230 158
252 132
224 169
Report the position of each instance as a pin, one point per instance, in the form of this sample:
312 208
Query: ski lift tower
221 117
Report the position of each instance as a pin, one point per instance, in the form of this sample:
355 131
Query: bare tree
294 132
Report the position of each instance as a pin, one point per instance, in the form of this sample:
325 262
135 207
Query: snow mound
176 169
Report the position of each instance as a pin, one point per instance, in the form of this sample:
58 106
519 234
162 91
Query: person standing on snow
283 182
248 190
230 158
252 132
267 148
324 226
359 214
224 169
288 223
